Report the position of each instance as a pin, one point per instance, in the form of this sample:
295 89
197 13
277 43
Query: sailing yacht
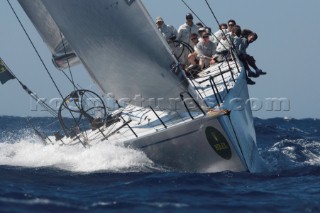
184 124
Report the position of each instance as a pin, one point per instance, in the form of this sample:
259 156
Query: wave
290 154
289 144
32 153
285 144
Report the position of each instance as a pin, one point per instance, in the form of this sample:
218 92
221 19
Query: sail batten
119 46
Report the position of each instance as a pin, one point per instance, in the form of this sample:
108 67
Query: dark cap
199 24
189 16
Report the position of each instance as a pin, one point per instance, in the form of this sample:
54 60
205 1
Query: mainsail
119 45
63 55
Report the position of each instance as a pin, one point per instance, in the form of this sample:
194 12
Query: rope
25 31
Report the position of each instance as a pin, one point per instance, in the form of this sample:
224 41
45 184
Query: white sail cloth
50 33
119 45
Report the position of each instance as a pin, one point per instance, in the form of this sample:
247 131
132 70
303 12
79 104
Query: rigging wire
47 70
25 31
229 115
193 12
216 19
65 52
37 99
32 94
212 12
71 79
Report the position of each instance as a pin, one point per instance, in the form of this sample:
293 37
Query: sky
287 48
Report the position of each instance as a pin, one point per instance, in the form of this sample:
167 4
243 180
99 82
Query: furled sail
119 45
62 53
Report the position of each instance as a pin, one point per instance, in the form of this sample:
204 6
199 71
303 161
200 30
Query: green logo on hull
219 143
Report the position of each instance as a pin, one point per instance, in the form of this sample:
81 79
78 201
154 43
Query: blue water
39 178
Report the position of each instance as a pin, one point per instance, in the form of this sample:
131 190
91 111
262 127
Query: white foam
30 152
35 201
295 150
314 153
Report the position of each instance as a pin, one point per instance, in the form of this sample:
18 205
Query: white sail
63 54
120 47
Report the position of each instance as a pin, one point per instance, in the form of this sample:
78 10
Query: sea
105 178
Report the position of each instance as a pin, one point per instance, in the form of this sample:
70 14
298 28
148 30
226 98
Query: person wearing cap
184 34
193 57
201 32
206 51
167 31
185 30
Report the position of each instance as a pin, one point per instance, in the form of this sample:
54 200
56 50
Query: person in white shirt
192 57
185 30
230 40
184 35
206 51
168 31
217 36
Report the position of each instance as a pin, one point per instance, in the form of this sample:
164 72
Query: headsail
119 45
63 54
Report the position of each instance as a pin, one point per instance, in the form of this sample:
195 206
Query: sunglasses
192 39
205 36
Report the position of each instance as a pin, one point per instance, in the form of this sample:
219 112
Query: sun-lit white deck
131 122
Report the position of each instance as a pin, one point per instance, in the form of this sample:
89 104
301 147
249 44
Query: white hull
240 126
186 147
107 36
